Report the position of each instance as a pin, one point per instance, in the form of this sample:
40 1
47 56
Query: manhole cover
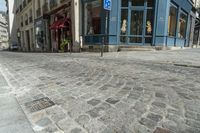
39 104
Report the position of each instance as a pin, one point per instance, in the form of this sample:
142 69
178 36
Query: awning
64 23
55 25
61 23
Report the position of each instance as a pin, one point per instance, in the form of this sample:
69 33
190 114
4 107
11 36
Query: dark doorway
28 40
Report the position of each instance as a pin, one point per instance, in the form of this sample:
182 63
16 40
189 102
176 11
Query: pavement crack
186 65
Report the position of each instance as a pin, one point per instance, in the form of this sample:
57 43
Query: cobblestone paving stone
132 92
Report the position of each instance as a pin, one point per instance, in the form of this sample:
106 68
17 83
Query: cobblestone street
126 92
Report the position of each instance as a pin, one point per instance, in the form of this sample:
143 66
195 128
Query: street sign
107 4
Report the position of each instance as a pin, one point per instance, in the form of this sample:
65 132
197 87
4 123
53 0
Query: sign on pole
107 4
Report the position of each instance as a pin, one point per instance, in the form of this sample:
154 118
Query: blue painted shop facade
139 22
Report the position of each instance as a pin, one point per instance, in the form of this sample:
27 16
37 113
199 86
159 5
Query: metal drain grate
39 104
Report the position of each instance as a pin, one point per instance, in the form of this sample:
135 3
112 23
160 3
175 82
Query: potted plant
63 45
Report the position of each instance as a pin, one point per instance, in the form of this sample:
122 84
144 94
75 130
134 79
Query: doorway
136 27
28 40
136 22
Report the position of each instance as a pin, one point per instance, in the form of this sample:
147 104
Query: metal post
102 45
105 37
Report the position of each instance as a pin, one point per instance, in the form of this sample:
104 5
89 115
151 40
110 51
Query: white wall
76 22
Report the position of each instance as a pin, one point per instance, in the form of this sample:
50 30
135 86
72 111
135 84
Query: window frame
85 20
145 8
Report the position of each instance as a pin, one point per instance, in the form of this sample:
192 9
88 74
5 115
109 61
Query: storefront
179 24
60 26
138 22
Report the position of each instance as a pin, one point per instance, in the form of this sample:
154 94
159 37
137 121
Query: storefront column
154 25
188 31
75 27
193 27
162 23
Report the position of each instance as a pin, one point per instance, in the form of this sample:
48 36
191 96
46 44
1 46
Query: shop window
123 39
182 25
124 25
124 21
93 17
124 3
150 3
39 34
137 2
172 21
149 22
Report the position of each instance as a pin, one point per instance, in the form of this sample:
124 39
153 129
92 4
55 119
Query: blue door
136 22
136 26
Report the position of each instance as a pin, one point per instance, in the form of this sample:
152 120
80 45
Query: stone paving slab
126 92
12 117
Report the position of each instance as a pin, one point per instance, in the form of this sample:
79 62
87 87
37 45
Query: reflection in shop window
124 22
39 36
182 25
93 17
150 3
149 22
172 21
137 2
124 3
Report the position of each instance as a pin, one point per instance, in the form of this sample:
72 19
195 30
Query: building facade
24 13
3 31
41 25
53 23
44 24
12 22
197 24
154 23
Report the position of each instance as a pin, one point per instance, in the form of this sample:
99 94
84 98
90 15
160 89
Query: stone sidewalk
127 92
12 117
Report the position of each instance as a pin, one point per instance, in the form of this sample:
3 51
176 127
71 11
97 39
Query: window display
124 20
149 22
124 25
136 22
93 17
136 25
182 25
172 21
